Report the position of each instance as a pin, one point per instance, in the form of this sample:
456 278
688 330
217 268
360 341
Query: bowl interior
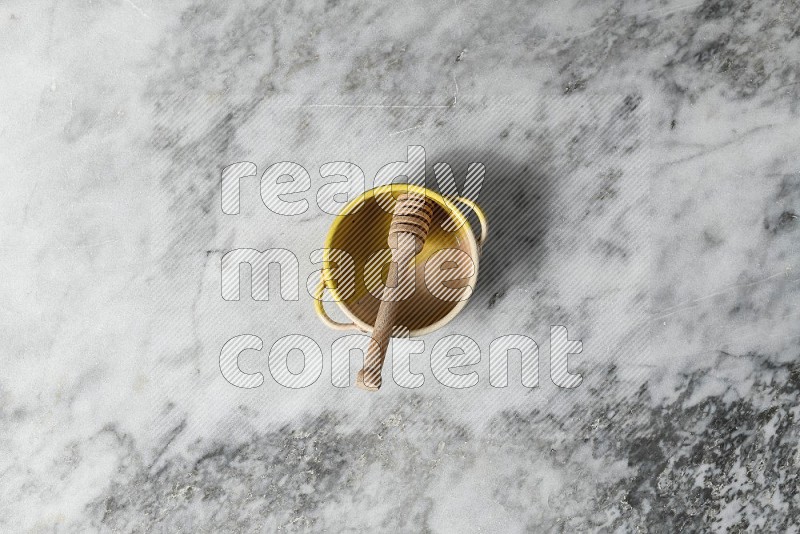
364 232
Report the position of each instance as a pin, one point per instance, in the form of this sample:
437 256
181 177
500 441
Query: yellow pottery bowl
361 230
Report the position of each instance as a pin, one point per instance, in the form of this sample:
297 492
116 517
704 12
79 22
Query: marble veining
642 186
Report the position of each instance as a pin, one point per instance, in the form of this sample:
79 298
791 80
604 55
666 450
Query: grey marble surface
642 186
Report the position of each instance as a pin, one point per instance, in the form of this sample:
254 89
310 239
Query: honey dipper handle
369 378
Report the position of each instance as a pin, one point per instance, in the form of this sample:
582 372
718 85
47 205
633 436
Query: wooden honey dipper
407 232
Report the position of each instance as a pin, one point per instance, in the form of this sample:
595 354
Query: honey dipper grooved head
412 215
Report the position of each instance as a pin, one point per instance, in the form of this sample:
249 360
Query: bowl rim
453 210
